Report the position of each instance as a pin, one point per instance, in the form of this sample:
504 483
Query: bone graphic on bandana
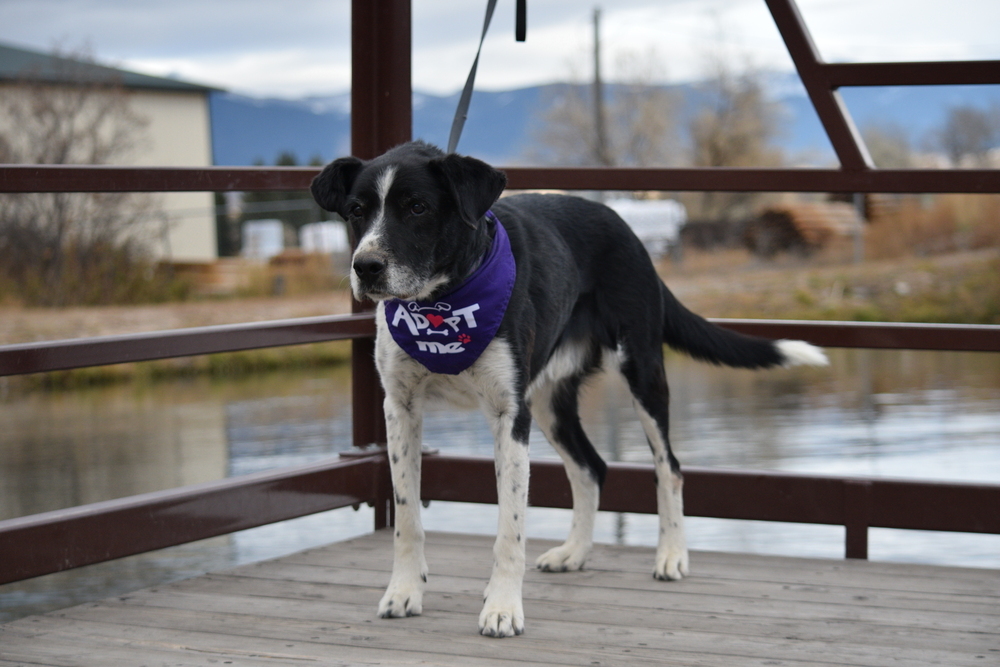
439 306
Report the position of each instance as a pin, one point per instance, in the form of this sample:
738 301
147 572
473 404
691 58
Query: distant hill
246 129
499 127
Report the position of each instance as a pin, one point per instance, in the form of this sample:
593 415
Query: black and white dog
573 288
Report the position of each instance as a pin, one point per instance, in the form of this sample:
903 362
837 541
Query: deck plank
264 594
714 573
319 606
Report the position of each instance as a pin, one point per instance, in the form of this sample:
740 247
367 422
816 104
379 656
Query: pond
872 413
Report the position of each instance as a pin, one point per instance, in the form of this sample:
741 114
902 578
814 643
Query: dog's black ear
473 184
331 186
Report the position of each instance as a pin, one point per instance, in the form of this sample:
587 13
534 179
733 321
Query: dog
514 302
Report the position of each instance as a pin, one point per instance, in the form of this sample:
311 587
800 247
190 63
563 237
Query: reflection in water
899 413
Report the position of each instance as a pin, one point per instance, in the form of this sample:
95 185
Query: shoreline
957 287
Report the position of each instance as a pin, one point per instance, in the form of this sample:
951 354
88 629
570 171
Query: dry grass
23 325
928 225
224 366
961 287
928 259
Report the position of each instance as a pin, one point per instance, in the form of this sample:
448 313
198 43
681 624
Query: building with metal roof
176 132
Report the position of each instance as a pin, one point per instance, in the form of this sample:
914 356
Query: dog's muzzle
369 267
370 270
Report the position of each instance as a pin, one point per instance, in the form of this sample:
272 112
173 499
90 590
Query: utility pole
601 153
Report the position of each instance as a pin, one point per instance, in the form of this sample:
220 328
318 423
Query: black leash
462 112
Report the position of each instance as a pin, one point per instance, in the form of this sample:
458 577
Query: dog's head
417 217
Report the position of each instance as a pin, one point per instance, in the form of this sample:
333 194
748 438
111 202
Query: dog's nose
367 266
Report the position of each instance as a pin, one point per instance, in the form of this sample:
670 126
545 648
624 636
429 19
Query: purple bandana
449 334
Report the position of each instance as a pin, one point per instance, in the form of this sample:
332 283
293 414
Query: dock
318 607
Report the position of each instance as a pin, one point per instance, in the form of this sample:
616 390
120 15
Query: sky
301 47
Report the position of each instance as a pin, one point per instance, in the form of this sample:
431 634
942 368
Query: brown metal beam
49 178
943 506
381 117
381 91
99 178
65 539
968 72
875 335
739 494
856 504
833 114
734 179
79 353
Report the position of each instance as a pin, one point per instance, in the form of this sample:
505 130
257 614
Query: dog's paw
402 599
502 616
565 558
671 564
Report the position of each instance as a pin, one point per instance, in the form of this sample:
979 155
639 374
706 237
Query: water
887 413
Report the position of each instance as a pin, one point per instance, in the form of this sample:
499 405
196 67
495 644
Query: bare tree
60 248
645 131
968 135
734 127
888 145
563 132
639 120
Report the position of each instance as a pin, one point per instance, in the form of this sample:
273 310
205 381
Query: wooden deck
318 606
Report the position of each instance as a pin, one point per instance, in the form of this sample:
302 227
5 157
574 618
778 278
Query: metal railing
381 117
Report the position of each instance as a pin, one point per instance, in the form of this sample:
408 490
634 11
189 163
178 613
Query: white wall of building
179 135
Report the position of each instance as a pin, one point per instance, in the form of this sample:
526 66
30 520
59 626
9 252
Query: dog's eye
355 211
417 208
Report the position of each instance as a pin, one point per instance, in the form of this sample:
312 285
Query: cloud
303 47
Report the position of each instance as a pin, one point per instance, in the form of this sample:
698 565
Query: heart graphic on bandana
449 334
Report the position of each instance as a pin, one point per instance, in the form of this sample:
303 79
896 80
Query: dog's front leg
503 610
404 596
496 379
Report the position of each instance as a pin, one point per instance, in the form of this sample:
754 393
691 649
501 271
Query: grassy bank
958 288
219 367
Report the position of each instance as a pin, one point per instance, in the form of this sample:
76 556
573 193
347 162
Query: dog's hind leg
650 396
554 406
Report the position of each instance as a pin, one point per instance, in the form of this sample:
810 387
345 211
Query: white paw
403 598
565 558
502 616
671 564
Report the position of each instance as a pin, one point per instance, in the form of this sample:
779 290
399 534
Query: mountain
501 123
247 130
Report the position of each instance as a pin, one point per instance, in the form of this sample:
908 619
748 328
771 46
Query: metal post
857 517
602 153
381 92
381 117
859 228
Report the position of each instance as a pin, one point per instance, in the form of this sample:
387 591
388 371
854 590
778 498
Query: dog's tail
690 333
